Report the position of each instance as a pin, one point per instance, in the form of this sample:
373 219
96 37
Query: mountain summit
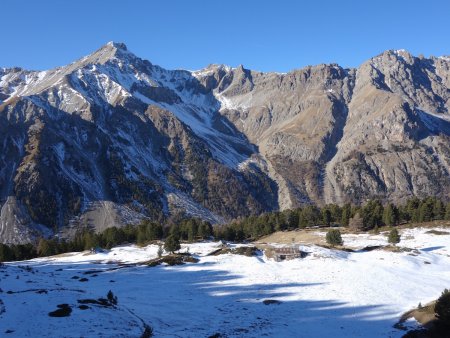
111 139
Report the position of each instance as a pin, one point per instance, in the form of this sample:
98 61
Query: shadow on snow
198 300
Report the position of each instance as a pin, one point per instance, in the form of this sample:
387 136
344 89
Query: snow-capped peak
112 50
400 51
117 45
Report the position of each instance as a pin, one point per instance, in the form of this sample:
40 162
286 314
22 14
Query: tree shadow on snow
202 299
432 248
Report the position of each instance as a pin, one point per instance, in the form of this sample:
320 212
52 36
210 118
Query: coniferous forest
369 216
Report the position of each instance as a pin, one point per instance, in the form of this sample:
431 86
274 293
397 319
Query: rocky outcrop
16 227
396 139
334 135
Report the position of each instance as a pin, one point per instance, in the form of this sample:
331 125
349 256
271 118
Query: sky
261 35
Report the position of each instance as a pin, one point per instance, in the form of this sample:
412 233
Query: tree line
366 217
187 230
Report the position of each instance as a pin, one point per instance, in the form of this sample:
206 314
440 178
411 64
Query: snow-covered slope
328 293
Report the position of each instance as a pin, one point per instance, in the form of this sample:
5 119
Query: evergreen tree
438 209
336 212
291 219
334 237
90 240
326 217
390 215
447 212
190 230
141 236
154 231
5 253
229 233
394 237
175 230
114 236
302 221
204 230
403 214
172 244
426 211
442 308
45 248
312 215
372 214
412 209
346 214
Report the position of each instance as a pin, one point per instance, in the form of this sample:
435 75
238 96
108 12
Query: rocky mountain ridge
111 139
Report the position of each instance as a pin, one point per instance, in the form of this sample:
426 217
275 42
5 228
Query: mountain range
113 139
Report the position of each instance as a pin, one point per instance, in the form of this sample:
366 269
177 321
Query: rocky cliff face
111 139
395 141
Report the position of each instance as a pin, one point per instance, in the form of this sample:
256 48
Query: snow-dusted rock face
112 138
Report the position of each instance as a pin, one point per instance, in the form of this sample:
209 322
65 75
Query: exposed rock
16 226
112 139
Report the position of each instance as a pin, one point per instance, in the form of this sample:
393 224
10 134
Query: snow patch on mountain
435 122
183 202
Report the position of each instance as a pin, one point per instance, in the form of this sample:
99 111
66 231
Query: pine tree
438 209
5 253
372 214
154 231
141 237
442 308
391 215
334 237
45 248
394 236
312 215
291 219
336 212
412 209
447 212
388 215
191 232
326 217
172 244
175 230
302 221
346 214
426 210
90 240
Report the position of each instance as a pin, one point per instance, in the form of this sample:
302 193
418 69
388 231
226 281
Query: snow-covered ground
328 293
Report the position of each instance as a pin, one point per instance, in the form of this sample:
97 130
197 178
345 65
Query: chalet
281 254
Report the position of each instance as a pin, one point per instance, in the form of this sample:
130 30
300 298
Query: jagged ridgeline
112 139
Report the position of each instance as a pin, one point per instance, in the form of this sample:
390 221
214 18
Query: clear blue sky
262 35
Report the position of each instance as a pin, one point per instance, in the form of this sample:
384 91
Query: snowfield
327 293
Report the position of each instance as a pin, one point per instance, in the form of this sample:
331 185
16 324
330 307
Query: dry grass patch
296 236
424 315
437 232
